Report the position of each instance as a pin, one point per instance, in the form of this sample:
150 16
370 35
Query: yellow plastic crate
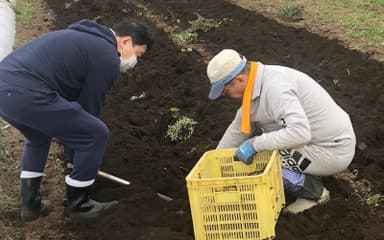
232 200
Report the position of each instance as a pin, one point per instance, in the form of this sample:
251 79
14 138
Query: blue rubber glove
245 152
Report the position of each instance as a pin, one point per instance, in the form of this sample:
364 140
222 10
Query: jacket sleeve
289 114
98 81
233 136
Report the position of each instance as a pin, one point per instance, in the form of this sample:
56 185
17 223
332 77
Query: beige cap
222 68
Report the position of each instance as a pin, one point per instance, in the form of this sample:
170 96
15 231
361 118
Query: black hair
138 31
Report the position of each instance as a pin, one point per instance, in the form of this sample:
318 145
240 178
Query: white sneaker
302 204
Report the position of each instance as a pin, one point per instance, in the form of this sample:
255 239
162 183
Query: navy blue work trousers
41 115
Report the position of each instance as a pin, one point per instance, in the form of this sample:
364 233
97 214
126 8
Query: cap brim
216 91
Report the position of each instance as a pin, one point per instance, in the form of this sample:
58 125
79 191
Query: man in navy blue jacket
54 86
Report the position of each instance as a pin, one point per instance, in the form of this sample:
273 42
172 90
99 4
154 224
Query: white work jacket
292 110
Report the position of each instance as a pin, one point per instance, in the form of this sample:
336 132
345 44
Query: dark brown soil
139 152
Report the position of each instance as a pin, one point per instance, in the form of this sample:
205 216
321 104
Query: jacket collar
259 79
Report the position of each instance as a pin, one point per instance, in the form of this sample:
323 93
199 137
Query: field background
354 29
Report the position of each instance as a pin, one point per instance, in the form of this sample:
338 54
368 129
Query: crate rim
192 181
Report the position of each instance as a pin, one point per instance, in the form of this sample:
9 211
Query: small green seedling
292 12
23 10
134 98
373 200
4 155
181 130
189 35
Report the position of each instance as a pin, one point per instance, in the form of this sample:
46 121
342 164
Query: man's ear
243 78
123 40
126 39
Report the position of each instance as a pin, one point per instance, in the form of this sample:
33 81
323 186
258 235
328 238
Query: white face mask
127 63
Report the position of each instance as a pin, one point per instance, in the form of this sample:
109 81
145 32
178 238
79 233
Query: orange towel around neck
247 97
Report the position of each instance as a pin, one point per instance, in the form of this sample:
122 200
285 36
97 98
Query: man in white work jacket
295 114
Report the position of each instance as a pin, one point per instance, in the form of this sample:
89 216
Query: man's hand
245 152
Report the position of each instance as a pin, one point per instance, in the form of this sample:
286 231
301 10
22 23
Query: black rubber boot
80 208
312 189
32 206
311 194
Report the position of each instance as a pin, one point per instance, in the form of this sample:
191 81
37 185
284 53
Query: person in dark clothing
55 86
